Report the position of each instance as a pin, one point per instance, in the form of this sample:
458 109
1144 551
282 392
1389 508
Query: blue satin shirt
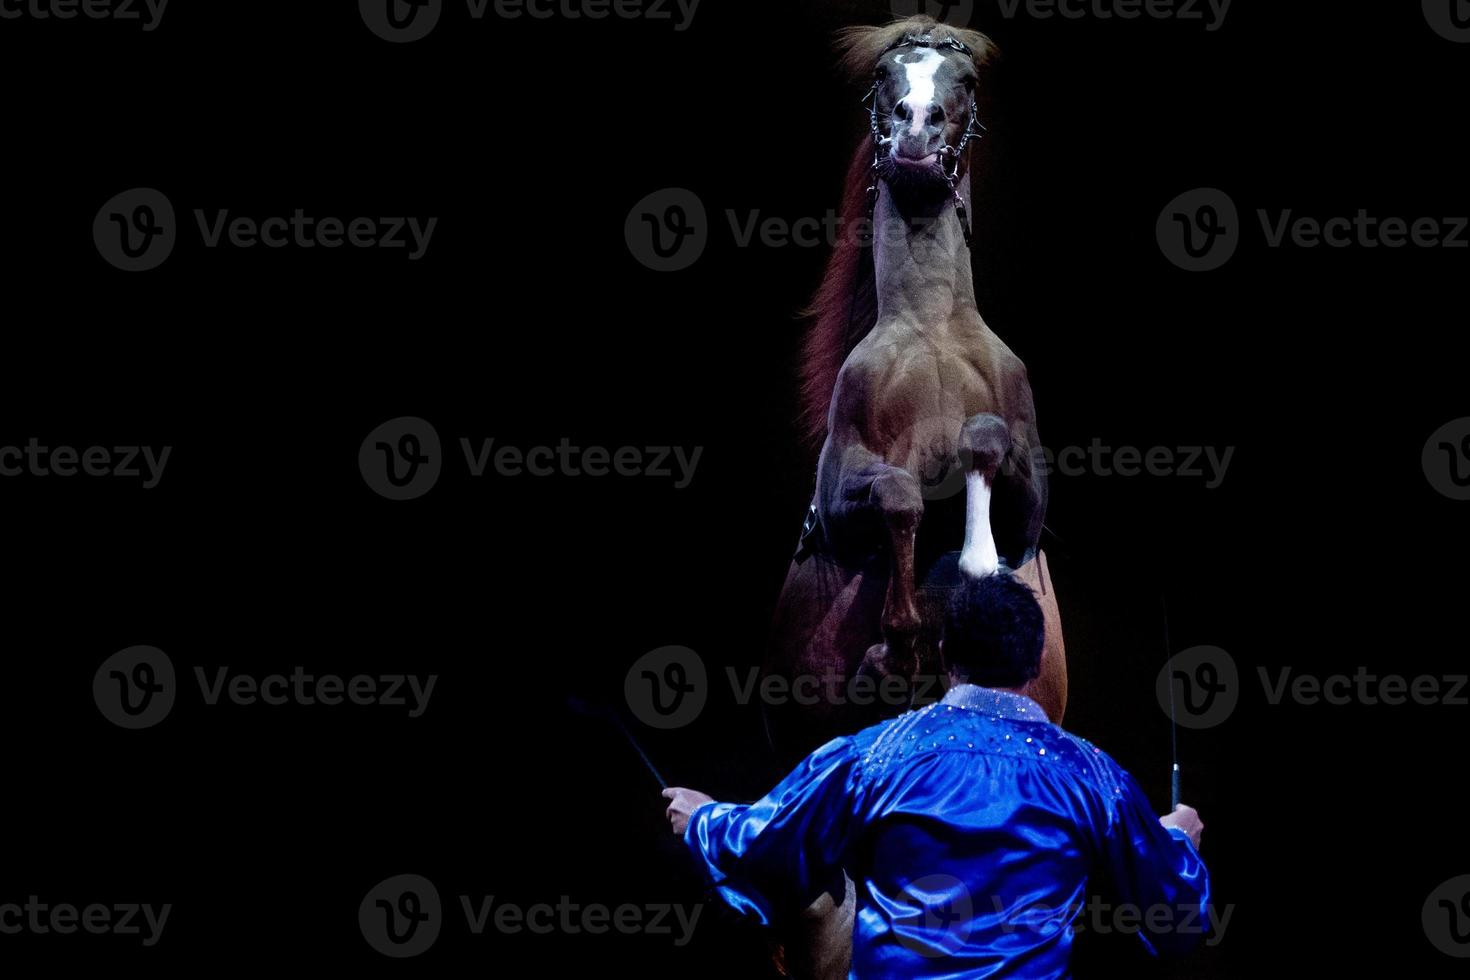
974 831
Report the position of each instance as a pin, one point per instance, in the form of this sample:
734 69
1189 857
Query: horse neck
921 262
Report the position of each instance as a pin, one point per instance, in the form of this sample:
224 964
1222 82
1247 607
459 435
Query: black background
529 320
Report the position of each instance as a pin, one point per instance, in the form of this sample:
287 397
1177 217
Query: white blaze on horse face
921 75
979 557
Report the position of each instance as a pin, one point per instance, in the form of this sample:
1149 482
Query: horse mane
859 48
845 307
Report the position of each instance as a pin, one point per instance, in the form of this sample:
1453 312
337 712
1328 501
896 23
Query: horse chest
937 383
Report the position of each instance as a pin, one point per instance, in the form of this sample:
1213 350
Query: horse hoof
881 662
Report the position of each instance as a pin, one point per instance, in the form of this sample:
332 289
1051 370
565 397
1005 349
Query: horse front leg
984 443
864 498
899 502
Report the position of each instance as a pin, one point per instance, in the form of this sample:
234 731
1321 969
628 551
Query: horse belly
825 620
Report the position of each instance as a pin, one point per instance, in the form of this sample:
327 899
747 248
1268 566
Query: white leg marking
979 557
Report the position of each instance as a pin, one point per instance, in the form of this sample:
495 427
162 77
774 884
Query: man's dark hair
994 632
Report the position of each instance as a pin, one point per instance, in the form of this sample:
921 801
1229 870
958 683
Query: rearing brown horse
929 464
929 467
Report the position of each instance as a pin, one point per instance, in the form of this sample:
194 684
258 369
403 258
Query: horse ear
983 50
858 51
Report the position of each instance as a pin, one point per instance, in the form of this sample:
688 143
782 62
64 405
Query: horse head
922 104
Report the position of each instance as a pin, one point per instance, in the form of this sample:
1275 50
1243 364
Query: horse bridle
949 156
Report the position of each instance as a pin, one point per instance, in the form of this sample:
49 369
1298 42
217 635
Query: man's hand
685 802
1186 818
